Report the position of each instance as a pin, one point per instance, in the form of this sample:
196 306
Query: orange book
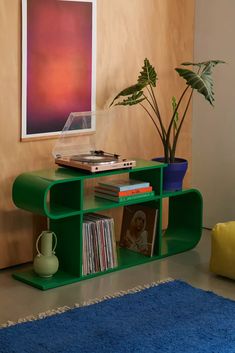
122 193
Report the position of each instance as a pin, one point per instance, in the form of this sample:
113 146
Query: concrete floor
18 300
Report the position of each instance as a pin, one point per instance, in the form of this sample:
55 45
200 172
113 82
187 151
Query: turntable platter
90 158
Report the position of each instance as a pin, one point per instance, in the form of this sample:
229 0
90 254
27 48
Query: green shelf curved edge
185 222
29 192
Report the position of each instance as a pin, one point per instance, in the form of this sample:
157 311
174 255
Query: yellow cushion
222 260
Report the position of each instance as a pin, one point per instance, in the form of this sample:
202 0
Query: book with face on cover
138 230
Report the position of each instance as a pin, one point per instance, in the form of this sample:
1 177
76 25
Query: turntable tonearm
95 161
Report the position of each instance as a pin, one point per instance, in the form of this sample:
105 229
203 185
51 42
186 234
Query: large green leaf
129 90
202 80
203 83
132 100
204 63
148 75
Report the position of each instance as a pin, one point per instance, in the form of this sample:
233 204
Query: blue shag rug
167 317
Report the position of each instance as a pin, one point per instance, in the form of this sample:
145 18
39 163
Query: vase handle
37 242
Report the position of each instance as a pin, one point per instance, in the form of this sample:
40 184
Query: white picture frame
37 108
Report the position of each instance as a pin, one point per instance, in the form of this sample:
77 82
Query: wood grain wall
127 32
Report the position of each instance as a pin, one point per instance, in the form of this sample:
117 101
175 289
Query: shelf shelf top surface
63 174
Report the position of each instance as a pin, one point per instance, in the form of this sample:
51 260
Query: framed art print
58 64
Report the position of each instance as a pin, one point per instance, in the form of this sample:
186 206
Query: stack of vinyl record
99 244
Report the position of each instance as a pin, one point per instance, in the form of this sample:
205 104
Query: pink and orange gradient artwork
59 62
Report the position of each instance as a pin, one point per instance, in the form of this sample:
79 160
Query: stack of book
99 244
123 190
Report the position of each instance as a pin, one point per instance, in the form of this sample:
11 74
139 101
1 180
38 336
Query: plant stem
157 111
172 157
167 147
172 121
150 103
163 132
153 122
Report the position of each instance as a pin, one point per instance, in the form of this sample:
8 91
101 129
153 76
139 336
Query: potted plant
142 93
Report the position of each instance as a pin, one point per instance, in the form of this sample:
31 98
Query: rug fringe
63 309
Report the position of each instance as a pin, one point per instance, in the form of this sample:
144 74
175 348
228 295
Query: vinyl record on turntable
94 159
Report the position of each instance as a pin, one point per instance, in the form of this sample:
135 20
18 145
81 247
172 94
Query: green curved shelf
59 194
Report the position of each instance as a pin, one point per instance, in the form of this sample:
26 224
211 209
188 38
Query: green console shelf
59 194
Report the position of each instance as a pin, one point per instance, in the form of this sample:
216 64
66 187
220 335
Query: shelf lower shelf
172 243
59 279
179 240
126 259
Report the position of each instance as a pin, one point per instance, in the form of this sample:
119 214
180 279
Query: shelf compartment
155 178
69 243
185 222
57 199
65 198
128 258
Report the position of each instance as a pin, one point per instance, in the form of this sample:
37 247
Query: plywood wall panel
127 32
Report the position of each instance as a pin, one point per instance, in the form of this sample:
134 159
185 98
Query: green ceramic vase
45 263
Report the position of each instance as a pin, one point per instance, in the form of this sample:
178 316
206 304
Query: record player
76 147
95 161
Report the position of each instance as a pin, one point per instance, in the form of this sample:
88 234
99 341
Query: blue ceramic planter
173 174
